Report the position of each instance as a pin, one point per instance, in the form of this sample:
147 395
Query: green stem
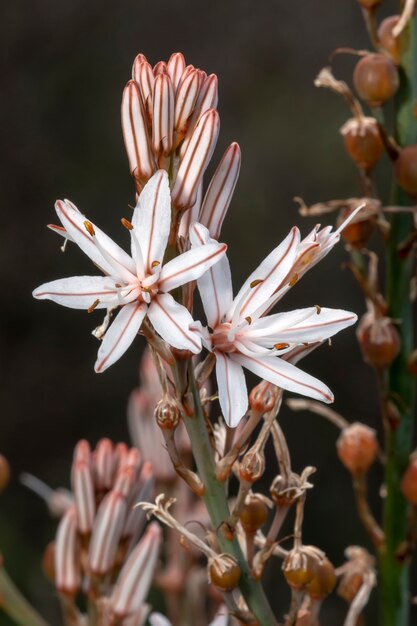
218 509
15 605
394 573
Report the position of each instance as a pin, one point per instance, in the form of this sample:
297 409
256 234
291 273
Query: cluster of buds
96 550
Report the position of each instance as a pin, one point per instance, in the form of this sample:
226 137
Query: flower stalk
15 605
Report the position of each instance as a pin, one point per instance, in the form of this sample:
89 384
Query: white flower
139 283
243 336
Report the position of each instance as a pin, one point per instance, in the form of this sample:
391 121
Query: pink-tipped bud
357 447
136 576
409 481
136 517
162 115
133 459
220 191
82 452
207 99
125 481
184 102
139 59
120 454
107 531
135 133
143 76
67 561
104 464
160 68
84 497
195 160
176 67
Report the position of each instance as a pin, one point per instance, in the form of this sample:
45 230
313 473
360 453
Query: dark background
64 65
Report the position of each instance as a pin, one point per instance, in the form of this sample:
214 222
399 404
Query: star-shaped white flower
139 283
243 336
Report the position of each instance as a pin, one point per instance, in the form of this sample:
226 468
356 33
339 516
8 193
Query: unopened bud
263 397
405 169
363 141
300 566
253 515
167 414
107 530
84 497
391 44
67 561
376 79
104 463
409 481
162 115
357 447
4 472
323 581
176 67
224 572
379 341
135 133
252 466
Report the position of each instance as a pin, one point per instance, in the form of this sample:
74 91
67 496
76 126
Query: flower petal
102 250
80 292
120 335
152 219
215 286
172 321
284 375
233 394
190 265
267 277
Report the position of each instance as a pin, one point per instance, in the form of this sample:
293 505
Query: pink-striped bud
176 67
125 481
185 101
135 133
143 75
82 452
120 455
136 576
106 534
84 497
220 191
136 517
207 99
104 464
192 215
67 561
139 59
160 68
195 160
162 115
133 459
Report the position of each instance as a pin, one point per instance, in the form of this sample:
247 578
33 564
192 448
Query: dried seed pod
349 586
252 466
363 141
285 491
167 414
379 341
263 397
323 581
358 231
357 447
409 482
391 44
406 169
300 566
253 514
376 79
224 572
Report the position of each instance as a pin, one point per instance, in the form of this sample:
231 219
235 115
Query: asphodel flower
241 335
138 283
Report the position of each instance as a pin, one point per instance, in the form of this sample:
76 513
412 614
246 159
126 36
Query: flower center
220 339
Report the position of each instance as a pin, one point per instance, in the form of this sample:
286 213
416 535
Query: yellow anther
117 285
89 228
256 282
93 306
281 346
155 263
293 280
126 223
146 289
248 319
318 309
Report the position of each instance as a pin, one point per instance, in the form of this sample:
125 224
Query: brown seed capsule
253 515
252 466
409 482
379 341
363 141
167 413
358 232
4 472
406 169
357 447
263 397
300 566
323 581
224 572
376 79
391 44
284 491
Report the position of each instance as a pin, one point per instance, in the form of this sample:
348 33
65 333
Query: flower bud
167 414
362 141
84 497
176 67
405 169
379 341
358 231
107 530
4 472
409 481
357 447
253 515
252 466
104 464
391 44
263 397
300 566
224 572
376 79
323 581
67 561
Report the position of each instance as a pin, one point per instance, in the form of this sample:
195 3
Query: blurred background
64 68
